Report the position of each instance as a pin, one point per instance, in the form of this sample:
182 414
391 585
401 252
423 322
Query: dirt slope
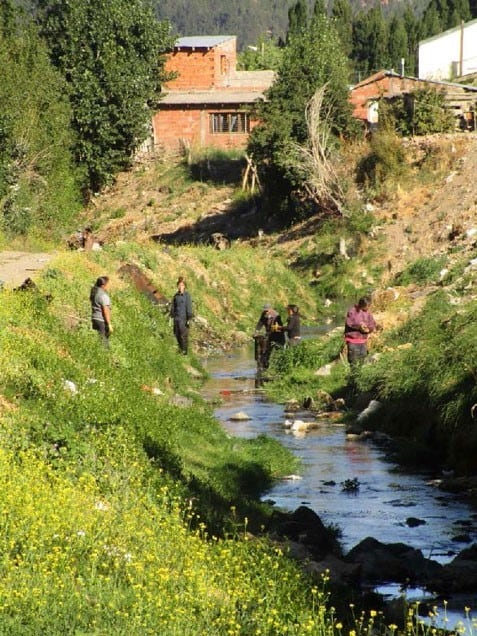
434 218
15 267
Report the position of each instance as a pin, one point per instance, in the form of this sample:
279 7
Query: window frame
235 122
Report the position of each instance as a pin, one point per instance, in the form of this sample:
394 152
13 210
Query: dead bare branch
314 159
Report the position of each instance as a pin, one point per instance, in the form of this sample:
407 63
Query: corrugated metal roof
201 41
196 98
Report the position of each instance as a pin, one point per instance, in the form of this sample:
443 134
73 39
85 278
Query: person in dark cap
181 314
271 321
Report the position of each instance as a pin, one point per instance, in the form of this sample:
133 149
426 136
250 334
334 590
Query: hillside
248 20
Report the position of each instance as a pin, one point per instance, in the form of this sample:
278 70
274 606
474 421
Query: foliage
266 54
422 271
428 384
111 56
441 15
423 112
38 184
386 160
103 481
248 19
294 369
312 59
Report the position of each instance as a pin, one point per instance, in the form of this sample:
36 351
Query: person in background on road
101 309
181 314
271 321
358 325
292 328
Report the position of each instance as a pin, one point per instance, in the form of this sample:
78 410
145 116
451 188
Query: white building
450 54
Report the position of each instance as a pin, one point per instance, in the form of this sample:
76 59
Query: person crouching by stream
358 325
271 321
181 314
101 309
292 328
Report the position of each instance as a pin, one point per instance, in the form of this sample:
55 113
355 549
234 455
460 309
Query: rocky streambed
395 528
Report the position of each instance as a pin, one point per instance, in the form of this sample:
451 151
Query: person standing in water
271 320
181 314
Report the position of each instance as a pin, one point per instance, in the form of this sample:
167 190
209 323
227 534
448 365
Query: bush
422 112
421 271
386 160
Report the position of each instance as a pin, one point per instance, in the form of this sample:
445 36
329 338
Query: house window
229 123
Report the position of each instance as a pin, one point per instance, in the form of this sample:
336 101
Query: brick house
208 103
365 95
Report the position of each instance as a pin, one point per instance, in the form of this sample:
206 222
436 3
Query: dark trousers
181 332
103 330
357 353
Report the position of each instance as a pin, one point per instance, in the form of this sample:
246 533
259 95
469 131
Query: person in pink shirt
359 324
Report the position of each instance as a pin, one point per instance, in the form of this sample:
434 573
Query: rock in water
240 417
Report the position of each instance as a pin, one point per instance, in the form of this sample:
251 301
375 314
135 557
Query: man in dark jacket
181 313
274 334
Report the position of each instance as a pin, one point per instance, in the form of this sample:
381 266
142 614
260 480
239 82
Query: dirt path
15 267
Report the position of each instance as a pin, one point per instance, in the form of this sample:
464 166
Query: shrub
423 270
422 112
385 161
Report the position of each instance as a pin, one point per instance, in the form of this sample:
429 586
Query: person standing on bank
101 309
292 328
359 324
181 314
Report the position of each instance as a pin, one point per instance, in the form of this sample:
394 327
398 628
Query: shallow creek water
386 497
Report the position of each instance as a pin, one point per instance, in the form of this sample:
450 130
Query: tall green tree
297 19
370 41
38 184
412 27
111 55
397 42
311 60
342 16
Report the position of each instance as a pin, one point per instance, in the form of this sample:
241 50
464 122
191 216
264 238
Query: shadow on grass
235 220
220 170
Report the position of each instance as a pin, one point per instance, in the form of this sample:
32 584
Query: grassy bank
421 368
122 512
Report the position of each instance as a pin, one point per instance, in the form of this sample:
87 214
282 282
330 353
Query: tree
38 184
297 19
266 55
311 60
111 55
397 43
342 16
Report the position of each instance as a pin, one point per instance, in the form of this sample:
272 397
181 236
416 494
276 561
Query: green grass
123 514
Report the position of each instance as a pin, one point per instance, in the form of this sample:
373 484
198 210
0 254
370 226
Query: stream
386 497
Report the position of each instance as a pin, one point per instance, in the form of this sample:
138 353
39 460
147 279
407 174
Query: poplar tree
297 19
342 16
38 185
111 55
397 43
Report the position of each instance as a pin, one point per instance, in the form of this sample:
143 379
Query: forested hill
248 19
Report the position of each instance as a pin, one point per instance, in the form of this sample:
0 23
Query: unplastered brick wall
202 68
